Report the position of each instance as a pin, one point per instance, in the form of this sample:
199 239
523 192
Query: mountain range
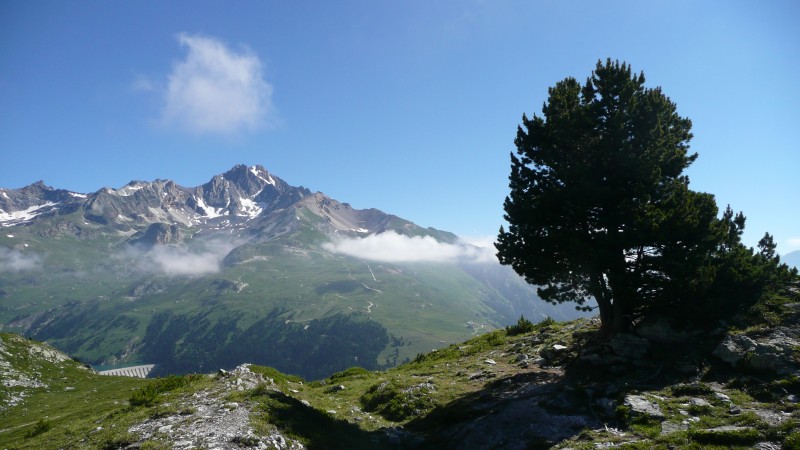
792 259
244 268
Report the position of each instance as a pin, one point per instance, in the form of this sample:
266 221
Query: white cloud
393 247
794 243
175 261
17 261
481 241
216 90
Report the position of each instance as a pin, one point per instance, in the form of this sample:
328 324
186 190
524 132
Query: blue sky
409 107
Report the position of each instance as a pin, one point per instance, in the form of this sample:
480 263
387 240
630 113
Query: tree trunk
613 300
603 297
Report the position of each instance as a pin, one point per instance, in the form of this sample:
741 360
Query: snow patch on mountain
129 190
208 211
250 208
8 219
256 170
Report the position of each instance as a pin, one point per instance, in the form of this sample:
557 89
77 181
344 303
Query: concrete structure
133 371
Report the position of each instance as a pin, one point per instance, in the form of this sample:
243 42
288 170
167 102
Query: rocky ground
207 419
18 381
553 386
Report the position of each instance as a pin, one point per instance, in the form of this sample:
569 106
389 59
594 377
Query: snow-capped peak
259 173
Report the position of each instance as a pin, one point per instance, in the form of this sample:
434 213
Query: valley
194 279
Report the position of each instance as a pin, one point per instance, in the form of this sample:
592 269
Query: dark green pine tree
599 206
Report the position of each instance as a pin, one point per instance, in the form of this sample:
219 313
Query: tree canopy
599 206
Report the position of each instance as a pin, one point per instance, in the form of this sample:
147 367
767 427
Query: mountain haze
242 268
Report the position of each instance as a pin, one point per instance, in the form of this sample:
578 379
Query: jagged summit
245 198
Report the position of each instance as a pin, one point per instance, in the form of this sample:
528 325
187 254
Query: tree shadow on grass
527 410
316 429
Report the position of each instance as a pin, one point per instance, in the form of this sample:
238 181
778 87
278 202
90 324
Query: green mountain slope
240 269
543 386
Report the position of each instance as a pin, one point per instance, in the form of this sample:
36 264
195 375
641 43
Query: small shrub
276 375
352 372
792 441
744 436
148 395
522 326
118 441
42 426
396 402
260 390
547 322
145 396
693 389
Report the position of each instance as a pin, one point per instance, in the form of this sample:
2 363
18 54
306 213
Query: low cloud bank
174 261
394 247
16 261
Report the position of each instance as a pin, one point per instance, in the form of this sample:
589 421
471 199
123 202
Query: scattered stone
482 375
549 353
773 353
771 418
672 427
639 405
522 357
722 397
490 362
735 409
206 420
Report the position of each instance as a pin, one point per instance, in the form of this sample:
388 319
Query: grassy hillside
536 386
94 296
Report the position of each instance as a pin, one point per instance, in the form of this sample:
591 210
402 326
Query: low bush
739 436
148 395
42 426
353 372
276 375
522 326
396 402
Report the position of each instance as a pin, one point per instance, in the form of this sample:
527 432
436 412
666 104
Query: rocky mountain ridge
242 195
